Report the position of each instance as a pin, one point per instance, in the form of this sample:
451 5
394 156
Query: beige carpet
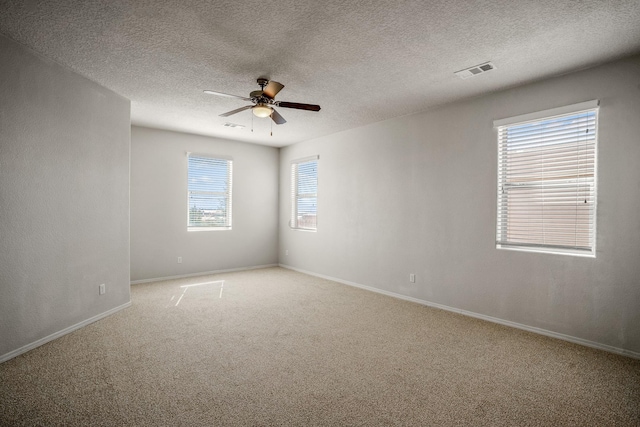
275 347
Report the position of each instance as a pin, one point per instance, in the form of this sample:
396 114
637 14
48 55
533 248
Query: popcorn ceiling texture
362 61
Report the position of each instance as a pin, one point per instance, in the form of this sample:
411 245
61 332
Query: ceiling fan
263 101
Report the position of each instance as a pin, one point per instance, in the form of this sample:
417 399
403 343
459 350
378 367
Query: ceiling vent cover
475 70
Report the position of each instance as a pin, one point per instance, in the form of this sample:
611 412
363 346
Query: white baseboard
58 334
575 340
202 273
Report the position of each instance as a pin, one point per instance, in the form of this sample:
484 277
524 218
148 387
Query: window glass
209 193
304 194
547 184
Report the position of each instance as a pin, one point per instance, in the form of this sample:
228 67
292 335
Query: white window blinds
304 193
209 186
547 180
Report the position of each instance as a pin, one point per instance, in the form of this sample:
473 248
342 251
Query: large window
209 193
547 180
304 193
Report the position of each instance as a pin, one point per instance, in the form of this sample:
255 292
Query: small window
547 180
304 193
209 193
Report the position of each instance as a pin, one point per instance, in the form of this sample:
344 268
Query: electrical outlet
179 260
102 289
286 252
412 278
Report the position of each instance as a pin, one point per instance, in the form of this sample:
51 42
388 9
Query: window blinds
209 192
547 182
304 193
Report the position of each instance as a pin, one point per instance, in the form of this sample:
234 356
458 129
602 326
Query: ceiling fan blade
228 113
276 117
272 89
211 92
298 106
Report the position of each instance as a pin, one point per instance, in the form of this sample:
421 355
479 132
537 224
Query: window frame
540 117
296 197
228 194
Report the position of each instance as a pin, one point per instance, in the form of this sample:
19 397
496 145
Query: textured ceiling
362 61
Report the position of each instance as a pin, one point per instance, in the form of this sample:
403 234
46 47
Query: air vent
475 70
233 125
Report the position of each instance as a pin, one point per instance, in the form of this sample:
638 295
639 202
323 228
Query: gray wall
417 194
64 199
159 207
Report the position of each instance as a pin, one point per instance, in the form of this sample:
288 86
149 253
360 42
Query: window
304 193
547 180
209 193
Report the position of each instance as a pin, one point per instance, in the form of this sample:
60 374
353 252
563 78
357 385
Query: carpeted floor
276 347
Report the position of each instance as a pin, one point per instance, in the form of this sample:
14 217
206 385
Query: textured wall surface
64 198
417 194
159 206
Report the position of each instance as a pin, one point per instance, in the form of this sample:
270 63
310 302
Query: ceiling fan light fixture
262 102
262 110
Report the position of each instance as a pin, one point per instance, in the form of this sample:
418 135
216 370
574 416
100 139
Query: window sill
208 228
550 251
